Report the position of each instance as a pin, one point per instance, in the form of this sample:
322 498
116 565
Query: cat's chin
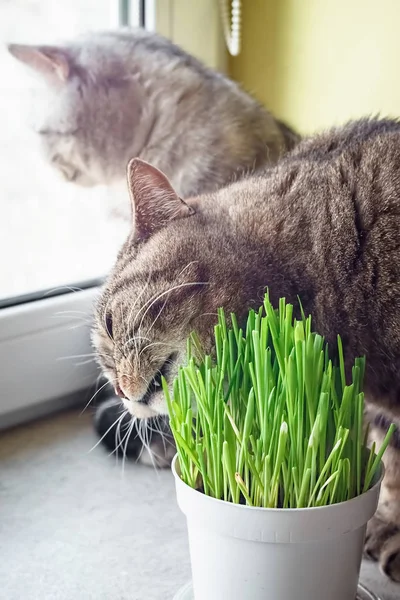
140 410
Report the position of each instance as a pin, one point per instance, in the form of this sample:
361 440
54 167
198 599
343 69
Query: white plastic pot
243 553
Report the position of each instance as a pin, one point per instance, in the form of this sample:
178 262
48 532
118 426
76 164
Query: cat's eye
108 325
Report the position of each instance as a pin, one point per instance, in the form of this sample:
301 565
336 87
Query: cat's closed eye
72 175
67 170
108 325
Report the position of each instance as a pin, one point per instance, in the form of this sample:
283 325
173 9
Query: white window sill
45 354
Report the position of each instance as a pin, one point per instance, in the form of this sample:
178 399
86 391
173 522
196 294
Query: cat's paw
377 533
389 560
382 543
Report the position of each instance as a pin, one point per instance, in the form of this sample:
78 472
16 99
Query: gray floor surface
75 526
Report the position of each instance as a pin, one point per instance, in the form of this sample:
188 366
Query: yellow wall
195 26
320 62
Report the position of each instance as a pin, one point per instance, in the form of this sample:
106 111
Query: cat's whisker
209 314
71 312
152 344
147 445
142 291
192 262
74 318
167 438
124 328
152 455
135 338
131 313
147 305
117 439
140 436
157 317
158 431
63 288
119 428
84 362
127 437
170 361
108 430
146 432
98 379
105 312
154 297
108 382
150 432
73 327
147 382
92 354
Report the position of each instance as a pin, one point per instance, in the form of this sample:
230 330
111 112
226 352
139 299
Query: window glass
52 233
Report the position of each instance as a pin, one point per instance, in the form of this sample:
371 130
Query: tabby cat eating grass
114 95
322 224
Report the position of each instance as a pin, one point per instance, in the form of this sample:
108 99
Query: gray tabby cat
114 95
322 224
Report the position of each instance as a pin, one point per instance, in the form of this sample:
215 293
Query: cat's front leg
382 541
382 544
148 441
389 560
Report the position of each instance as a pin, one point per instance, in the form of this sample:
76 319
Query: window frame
44 348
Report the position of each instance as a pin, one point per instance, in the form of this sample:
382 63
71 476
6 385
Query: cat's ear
154 201
50 62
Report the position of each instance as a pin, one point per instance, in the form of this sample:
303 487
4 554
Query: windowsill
44 409
45 353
